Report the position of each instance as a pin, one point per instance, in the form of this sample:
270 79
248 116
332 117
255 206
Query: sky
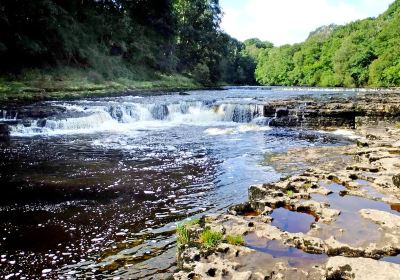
290 21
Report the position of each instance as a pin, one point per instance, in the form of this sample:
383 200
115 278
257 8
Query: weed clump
289 193
235 240
210 238
183 232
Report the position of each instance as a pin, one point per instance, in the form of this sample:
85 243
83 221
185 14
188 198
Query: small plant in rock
210 238
234 239
289 193
193 222
308 185
182 234
397 125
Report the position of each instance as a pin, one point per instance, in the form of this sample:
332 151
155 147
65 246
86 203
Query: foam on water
346 133
213 131
122 117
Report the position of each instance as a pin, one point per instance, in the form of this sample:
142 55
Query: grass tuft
235 240
182 234
308 185
210 238
289 193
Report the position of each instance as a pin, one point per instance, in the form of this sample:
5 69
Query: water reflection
106 203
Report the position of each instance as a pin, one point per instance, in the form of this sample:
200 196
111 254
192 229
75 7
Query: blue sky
290 21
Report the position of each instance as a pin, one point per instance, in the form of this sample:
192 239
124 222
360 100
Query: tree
362 53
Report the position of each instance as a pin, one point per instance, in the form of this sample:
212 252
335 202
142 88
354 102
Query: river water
96 191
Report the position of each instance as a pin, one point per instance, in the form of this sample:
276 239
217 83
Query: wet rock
374 166
41 123
362 143
361 269
396 180
281 112
288 121
4 132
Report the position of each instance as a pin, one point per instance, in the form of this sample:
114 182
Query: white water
128 116
7 116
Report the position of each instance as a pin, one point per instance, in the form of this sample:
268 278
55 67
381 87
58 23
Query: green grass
308 185
289 193
397 125
183 232
193 222
235 240
70 83
210 238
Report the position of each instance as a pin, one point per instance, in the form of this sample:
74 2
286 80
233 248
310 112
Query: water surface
97 189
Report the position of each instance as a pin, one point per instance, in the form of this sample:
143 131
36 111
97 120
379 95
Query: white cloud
290 21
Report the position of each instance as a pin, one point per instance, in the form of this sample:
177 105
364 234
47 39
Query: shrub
201 74
210 238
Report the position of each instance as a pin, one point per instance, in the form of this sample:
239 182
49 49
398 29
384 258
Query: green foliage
182 234
235 240
274 69
362 53
210 238
201 74
117 39
193 222
289 193
71 82
183 231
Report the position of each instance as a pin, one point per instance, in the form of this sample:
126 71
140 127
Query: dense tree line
114 38
362 53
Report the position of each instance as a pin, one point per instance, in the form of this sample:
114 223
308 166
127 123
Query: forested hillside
45 42
362 53
87 45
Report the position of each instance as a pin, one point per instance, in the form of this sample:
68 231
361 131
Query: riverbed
97 189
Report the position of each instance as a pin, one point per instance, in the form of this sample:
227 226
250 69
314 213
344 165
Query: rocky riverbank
338 219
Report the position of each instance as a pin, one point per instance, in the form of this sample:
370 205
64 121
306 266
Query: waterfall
196 111
128 115
92 121
7 116
242 113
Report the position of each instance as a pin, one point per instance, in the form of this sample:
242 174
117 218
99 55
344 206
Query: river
97 189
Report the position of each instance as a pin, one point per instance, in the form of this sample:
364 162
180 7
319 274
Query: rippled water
97 189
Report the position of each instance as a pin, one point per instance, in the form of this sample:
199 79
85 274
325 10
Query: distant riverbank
51 88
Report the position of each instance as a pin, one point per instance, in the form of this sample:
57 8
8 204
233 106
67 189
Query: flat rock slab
385 219
361 269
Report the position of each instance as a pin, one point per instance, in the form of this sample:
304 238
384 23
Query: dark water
97 190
